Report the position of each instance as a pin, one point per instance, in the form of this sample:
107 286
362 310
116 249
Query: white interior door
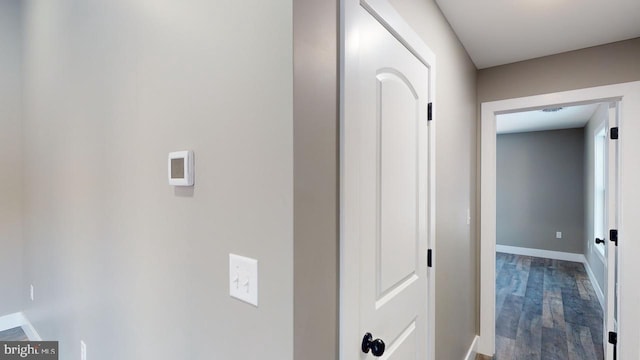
611 223
387 220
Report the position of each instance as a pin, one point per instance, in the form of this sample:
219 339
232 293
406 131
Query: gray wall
127 260
456 242
315 112
134 267
595 262
11 159
540 190
601 65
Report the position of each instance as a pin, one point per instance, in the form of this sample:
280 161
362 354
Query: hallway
545 309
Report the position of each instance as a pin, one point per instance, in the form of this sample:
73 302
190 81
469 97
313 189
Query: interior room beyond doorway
549 299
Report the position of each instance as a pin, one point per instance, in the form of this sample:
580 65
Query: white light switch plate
243 278
558 235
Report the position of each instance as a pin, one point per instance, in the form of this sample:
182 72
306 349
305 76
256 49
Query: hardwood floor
15 334
545 309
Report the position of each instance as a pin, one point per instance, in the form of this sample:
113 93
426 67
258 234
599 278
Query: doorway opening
549 302
620 223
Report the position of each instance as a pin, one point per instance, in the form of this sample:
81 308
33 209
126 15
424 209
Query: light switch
243 278
558 235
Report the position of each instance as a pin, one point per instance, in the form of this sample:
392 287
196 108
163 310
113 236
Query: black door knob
376 346
599 241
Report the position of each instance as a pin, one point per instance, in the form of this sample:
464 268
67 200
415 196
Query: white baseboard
11 321
548 254
557 255
28 329
594 282
19 320
471 354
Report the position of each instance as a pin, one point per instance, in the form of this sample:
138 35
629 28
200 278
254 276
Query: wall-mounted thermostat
181 168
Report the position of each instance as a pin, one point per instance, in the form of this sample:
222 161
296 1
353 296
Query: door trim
386 15
628 95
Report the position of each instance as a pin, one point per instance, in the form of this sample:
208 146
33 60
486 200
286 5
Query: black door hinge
429 258
613 340
430 112
613 236
614 133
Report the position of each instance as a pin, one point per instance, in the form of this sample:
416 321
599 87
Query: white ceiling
496 32
538 120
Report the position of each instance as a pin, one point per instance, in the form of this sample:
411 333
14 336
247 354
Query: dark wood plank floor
15 334
545 310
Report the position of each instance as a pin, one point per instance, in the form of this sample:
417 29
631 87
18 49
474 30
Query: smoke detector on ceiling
555 109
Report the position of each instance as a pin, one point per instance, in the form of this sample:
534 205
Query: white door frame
611 210
628 94
384 12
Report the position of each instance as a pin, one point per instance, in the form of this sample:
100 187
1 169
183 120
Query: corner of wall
316 242
11 162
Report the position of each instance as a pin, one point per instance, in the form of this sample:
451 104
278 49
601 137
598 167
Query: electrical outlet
31 292
558 234
243 278
83 350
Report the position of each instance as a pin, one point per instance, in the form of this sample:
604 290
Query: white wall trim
19 320
557 255
628 96
472 352
594 282
548 254
11 321
28 329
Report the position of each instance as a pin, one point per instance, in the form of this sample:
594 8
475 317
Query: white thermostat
181 168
